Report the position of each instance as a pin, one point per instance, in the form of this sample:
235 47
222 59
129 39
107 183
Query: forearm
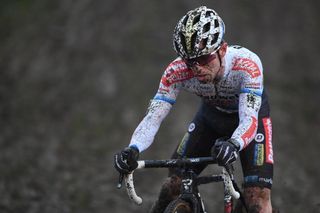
248 119
246 131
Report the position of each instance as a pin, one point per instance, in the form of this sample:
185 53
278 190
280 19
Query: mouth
202 78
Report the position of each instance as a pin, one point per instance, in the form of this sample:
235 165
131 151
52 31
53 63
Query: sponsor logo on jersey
252 86
163 90
259 137
252 101
259 154
176 72
267 124
192 126
247 65
226 102
265 180
182 146
256 178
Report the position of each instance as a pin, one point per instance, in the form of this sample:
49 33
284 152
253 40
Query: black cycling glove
225 151
126 160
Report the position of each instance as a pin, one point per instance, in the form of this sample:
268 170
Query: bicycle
189 199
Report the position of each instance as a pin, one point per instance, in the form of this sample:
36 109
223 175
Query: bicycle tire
178 206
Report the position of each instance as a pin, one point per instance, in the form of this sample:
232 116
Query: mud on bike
189 199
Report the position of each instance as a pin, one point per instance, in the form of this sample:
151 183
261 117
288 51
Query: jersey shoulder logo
247 65
177 71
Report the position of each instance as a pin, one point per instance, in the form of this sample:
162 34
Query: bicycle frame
190 181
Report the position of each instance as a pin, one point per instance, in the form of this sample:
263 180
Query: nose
196 70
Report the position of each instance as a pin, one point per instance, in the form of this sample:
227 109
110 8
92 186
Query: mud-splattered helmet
198 33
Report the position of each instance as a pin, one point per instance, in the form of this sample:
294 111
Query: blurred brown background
76 78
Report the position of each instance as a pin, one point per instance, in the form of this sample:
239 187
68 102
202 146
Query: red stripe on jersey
176 72
247 65
267 124
249 134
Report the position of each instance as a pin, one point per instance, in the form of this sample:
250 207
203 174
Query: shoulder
176 71
243 60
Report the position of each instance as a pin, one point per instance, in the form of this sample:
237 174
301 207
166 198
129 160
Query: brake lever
230 169
120 181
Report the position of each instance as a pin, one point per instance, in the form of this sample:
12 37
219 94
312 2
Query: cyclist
234 114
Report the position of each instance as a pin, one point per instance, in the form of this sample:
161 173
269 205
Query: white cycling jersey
239 90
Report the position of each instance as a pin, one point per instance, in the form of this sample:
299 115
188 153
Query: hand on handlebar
225 151
126 160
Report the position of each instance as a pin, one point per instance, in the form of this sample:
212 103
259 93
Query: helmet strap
219 58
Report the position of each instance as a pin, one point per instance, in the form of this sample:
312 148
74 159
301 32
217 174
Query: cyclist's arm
249 101
144 134
158 109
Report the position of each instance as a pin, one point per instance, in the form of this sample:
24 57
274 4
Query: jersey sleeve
171 81
159 107
144 134
249 99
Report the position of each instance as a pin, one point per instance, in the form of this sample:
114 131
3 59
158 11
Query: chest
226 88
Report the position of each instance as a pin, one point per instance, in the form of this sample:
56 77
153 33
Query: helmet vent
208 13
184 22
196 19
214 38
206 27
183 41
216 23
176 46
203 43
193 40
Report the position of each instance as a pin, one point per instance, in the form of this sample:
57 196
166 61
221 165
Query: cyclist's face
208 68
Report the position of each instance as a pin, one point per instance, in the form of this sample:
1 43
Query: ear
223 49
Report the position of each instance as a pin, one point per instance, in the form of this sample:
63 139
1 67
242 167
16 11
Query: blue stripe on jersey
246 90
134 146
163 98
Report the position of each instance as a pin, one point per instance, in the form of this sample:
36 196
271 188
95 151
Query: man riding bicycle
232 120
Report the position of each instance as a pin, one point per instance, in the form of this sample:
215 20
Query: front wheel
178 206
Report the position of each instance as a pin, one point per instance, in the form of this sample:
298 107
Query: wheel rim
182 208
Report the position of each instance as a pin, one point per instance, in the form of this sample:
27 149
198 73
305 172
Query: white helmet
198 33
